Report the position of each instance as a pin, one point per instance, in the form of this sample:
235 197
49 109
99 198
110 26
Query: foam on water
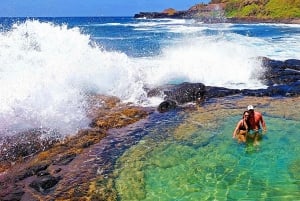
46 70
217 61
145 23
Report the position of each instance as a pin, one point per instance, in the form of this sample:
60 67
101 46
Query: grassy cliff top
262 9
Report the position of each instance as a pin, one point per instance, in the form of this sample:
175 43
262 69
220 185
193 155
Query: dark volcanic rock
281 72
214 92
166 106
186 92
284 90
176 15
44 184
282 78
178 94
293 64
26 143
65 159
10 190
15 196
32 171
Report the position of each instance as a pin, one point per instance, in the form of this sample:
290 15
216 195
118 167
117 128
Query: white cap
250 107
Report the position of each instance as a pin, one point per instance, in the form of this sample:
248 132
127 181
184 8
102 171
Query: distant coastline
256 20
217 13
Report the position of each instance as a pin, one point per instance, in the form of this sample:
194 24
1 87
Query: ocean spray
48 70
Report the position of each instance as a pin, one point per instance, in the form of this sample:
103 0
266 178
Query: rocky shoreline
35 169
79 167
282 78
251 20
73 171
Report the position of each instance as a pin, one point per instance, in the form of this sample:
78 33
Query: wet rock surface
282 78
30 171
64 169
179 94
24 144
44 184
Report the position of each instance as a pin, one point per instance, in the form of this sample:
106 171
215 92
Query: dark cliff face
177 15
203 12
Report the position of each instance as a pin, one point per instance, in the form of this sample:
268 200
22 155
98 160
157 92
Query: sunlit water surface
186 160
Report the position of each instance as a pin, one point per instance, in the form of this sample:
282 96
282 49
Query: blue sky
62 8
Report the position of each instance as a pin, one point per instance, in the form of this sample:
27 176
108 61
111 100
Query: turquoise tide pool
210 165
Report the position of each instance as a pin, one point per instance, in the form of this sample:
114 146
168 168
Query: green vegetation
262 9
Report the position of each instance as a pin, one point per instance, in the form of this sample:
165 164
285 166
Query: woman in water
241 130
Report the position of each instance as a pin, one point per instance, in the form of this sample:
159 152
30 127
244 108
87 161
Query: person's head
246 114
250 109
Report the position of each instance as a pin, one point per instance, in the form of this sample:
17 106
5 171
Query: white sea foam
210 60
46 71
147 23
185 29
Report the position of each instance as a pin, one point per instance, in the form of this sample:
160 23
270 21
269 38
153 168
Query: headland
229 11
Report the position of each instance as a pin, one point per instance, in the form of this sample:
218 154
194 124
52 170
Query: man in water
256 121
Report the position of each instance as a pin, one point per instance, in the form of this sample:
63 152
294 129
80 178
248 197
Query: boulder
186 92
178 94
166 106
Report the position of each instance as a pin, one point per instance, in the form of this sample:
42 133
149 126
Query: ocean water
48 66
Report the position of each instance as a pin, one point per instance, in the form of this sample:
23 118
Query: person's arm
263 124
236 129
